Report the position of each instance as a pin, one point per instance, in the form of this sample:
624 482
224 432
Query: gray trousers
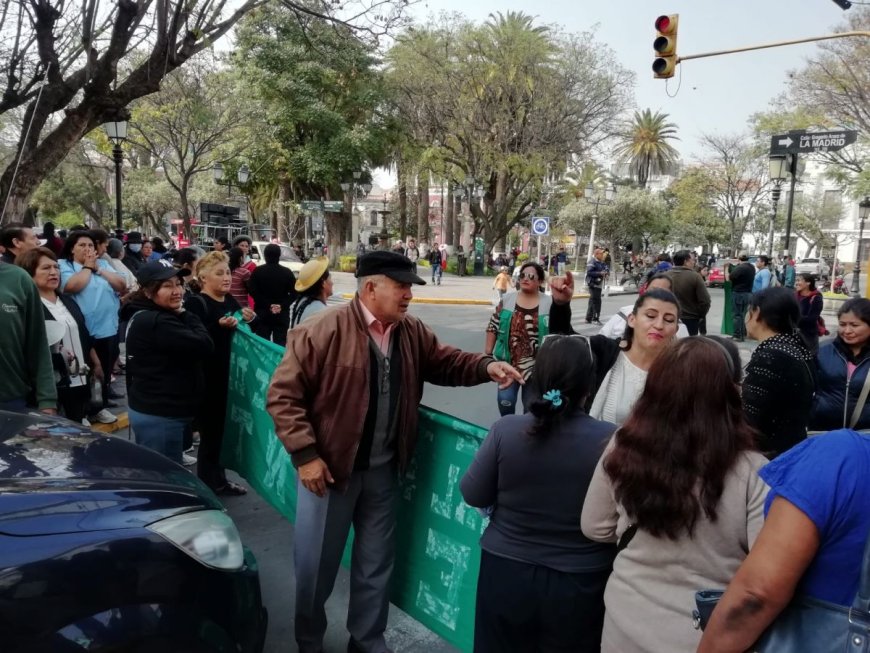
322 527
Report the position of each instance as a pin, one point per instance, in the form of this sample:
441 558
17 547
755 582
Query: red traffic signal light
665 46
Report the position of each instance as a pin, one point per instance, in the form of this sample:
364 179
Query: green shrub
522 258
347 263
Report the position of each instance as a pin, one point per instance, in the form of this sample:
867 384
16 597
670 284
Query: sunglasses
553 337
529 276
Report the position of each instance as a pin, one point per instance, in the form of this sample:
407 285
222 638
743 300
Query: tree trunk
403 200
335 227
457 221
448 215
423 206
285 192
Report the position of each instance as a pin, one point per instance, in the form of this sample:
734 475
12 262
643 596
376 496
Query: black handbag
809 625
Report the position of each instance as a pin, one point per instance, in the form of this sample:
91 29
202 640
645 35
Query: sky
717 94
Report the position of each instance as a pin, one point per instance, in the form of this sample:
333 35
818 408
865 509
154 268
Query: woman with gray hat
314 286
164 396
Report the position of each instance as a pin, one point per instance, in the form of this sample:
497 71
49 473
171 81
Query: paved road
271 537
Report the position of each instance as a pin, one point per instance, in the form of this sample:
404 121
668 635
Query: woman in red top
245 243
240 276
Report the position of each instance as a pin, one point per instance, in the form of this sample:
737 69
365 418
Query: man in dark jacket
272 287
344 400
596 275
133 258
690 290
742 275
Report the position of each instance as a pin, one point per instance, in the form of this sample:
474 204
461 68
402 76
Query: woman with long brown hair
678 489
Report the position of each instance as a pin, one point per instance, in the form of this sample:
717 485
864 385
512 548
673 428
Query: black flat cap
391 264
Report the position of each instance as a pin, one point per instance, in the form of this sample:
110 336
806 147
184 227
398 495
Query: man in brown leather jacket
344 401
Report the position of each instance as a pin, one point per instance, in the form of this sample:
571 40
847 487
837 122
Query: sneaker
104 417
189 450
187 461
85 422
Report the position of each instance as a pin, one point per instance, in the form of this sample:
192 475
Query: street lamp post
863 214
595 197
242 176
353 187
779 171
117 133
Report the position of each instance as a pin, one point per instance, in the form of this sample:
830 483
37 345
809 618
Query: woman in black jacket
780 378
166 349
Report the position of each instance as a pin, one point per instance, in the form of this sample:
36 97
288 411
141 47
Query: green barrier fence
438 554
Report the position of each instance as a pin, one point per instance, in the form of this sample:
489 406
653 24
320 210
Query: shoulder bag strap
862 399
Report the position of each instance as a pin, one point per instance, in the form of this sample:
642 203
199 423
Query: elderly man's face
387 299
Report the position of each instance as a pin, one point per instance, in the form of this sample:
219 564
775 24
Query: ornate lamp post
595 196
863 214
355 188
117 133
779 172
242 176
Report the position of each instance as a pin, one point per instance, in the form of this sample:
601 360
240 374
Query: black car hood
57 476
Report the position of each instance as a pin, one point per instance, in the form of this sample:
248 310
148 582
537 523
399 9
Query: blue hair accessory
554 397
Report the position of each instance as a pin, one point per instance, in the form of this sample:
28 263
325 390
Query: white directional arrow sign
804 142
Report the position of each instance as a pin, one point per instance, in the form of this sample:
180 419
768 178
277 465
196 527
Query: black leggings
107 352
74 402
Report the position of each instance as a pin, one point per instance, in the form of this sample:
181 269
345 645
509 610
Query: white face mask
135 247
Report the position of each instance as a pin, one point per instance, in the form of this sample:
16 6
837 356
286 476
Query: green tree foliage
192 122
831 92
695 218
318 89
644 144
634 214
506 103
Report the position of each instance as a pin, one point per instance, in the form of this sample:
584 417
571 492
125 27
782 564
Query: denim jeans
740 304
507 399
162 434
436 272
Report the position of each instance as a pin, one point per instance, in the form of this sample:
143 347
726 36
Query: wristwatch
93 269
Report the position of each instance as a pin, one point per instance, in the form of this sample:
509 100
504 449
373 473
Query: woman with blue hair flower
541 583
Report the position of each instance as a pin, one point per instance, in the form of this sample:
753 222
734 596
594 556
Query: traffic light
665 46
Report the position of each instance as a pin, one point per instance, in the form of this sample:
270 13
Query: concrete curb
455 301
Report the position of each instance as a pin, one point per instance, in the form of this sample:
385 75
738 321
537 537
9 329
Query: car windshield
288 254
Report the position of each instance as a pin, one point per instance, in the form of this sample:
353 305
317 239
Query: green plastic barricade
438 553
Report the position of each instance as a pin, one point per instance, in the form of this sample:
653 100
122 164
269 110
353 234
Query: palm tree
644 145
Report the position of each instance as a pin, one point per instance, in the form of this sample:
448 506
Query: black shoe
353 647
588 321
114 394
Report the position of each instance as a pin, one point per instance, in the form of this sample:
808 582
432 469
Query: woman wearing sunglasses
520 321
541 582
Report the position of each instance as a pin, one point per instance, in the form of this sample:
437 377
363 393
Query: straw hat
311 273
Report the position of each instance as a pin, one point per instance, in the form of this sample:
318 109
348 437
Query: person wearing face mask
133 258
164 396
215 306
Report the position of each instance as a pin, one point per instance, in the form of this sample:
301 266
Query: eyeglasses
529 276
553 337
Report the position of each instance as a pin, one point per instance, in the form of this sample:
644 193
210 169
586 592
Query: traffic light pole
774 44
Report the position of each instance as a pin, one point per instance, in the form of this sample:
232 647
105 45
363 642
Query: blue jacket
596 271
835 395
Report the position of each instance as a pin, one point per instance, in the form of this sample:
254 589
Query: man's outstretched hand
503 374
562 288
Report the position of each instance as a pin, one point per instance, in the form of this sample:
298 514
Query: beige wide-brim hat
311 273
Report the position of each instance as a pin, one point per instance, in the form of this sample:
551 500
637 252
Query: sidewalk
453 290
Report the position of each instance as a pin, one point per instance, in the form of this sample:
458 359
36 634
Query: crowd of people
645 463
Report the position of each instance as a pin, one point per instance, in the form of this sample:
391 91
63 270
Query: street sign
317 205
802 142
540 226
